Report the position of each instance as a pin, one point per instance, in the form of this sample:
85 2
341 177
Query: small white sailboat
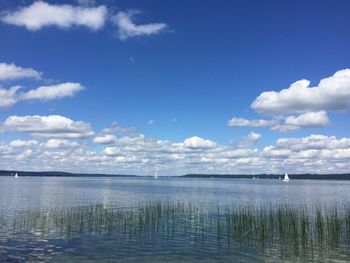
16 175
156 174
286 178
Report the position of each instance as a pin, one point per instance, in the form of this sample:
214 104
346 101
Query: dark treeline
60 174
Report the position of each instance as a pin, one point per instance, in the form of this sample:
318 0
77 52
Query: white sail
286 178
156 174
16 175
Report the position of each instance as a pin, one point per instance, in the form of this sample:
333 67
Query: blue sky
190 68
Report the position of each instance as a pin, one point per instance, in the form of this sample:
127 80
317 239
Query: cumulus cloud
198 143
68 89
308 119
287 123
313 154
52 126
9 97
128 29
115 127
41 14
314 142
251 139
59 143
272 151
151 122
140 155
23 143
305 120
11 72
241 122
105 139
113 151
300 105
331 94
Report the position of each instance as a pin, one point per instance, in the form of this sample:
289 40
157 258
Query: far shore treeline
345 176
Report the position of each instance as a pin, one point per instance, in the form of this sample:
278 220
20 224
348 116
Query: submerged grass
294 230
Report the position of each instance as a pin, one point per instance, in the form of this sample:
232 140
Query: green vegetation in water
318 232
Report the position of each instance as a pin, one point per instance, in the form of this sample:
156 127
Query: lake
51 219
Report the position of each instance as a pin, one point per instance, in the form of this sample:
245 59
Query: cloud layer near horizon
60 143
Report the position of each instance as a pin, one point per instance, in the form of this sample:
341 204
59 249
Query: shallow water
34 195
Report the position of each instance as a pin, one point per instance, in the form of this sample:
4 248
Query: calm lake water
22 239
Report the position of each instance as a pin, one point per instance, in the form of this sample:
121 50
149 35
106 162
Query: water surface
192 240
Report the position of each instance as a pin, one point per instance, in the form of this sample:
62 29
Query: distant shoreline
61 174
345 176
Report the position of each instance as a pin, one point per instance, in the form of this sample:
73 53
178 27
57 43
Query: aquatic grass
294 230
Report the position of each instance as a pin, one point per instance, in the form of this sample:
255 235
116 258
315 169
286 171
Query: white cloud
151 122
115 127
237 153
23 143
140 155
24 155
9 97
251 139
11 72
319 152
305 120
285 124
272 151
68 89
331 94
241 122
281 128
253 136
315 142
105 139
198 143
308 119
113 151
52 126
127 28
41 14
59 143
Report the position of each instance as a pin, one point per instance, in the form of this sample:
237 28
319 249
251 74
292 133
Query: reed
294 230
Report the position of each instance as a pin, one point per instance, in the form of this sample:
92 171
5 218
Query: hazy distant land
345 176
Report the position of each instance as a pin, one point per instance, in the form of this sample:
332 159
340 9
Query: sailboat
286 178
16 175
156 174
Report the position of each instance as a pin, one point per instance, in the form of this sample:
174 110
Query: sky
128 87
